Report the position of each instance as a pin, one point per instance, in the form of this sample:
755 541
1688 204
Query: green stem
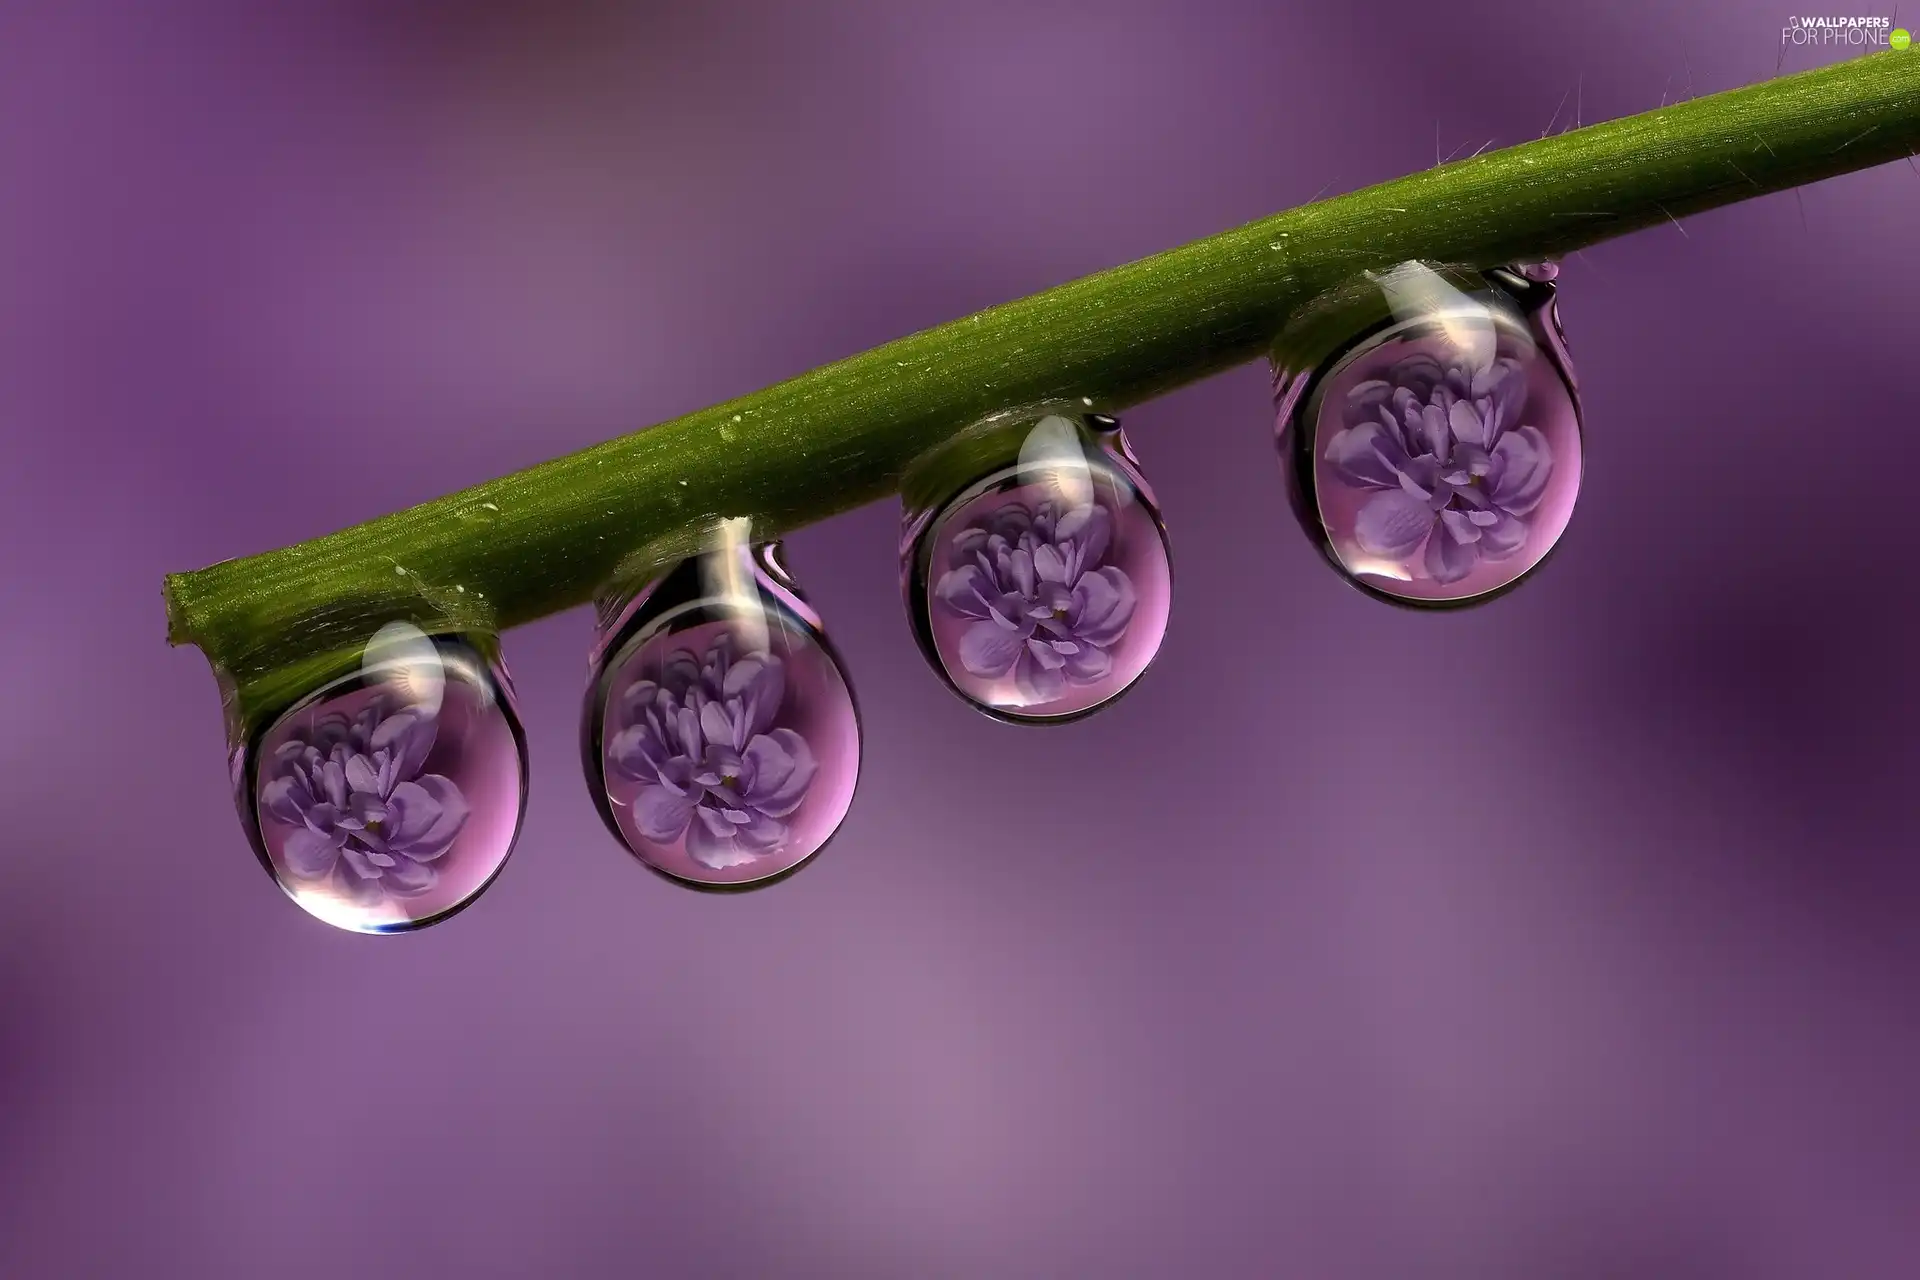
530 544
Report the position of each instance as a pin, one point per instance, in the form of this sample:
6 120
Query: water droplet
389 797
720 736
1430 427
1034 565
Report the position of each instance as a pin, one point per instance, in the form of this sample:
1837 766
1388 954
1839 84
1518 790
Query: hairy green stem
539 541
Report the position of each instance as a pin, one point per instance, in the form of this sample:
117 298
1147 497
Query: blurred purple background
1572 937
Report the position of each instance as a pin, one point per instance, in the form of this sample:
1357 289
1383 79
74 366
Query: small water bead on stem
1430 426
389 797
1034 565
720 736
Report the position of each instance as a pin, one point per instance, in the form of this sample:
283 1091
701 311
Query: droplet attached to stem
1431 430
1034 566
389 797
720 736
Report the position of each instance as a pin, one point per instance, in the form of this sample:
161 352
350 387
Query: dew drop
389 797
720 736
1034 565
1433 453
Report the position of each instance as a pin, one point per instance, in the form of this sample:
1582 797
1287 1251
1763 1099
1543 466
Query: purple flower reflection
1046 609
1438 442
364 814
713 767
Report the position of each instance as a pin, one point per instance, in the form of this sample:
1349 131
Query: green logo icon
1900 39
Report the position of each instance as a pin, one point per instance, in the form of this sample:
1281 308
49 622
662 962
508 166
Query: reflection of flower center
365 817
714 765
1041 603
1451 463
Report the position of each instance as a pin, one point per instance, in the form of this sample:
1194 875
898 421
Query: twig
530 544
